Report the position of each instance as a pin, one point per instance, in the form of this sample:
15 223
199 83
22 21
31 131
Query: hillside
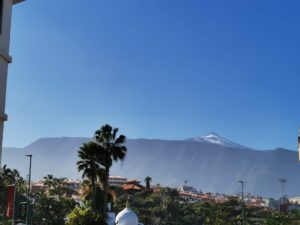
210 163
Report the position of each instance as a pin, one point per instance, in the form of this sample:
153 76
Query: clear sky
169 69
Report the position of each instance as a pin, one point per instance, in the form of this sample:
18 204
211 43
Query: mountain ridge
196 138
208 166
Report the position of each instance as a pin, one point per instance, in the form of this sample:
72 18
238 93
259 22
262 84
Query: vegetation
53 202
9 177
112 148
95 159
84 215
148 180
165 207
90 165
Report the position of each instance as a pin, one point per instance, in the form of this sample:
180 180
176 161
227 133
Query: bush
84 215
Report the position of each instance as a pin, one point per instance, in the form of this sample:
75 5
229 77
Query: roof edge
17 1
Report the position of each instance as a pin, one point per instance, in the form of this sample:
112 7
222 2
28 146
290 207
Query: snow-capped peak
214 138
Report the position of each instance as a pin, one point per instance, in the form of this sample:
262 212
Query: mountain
210 163
214 138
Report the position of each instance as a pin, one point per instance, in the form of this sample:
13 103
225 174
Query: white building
5 58
185 188
127 217
116 181
295 200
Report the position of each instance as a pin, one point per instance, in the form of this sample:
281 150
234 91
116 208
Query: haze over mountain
210 163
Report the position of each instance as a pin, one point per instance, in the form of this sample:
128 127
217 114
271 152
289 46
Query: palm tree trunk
105 187
93 193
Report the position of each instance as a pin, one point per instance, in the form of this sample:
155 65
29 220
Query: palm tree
61 187
8 175
112 148
90 166
49 183
85 189
148 180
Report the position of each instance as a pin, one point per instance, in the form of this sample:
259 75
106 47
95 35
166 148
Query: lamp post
282 182
243 203
28 190
14 201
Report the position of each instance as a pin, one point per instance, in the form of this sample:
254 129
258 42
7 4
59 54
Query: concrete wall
5 59
6 24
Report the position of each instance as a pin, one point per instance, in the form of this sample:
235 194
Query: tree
52 210
53 202
148 180
9 177
90 165
84 215
49 183
112 148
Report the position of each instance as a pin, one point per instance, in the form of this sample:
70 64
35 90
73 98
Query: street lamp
282 182
28 190
243 203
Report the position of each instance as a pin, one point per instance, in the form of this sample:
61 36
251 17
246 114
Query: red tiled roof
132 186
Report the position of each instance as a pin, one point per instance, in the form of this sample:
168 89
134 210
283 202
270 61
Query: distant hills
210 163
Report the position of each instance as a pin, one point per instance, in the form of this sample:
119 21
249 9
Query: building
295 200
127 217
190 197
5 58
185 188
294 206
73 184
273 204
116 181
133 186
36 187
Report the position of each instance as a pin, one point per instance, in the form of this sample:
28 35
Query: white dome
127 217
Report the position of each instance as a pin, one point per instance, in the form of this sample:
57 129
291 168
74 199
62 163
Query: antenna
282 181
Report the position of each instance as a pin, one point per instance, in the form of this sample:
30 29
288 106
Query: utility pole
28 190
243 202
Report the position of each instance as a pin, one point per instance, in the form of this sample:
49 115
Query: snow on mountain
214 138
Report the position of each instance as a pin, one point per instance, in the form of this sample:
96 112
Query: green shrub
84 215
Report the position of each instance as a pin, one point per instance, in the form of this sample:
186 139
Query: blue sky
155 69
